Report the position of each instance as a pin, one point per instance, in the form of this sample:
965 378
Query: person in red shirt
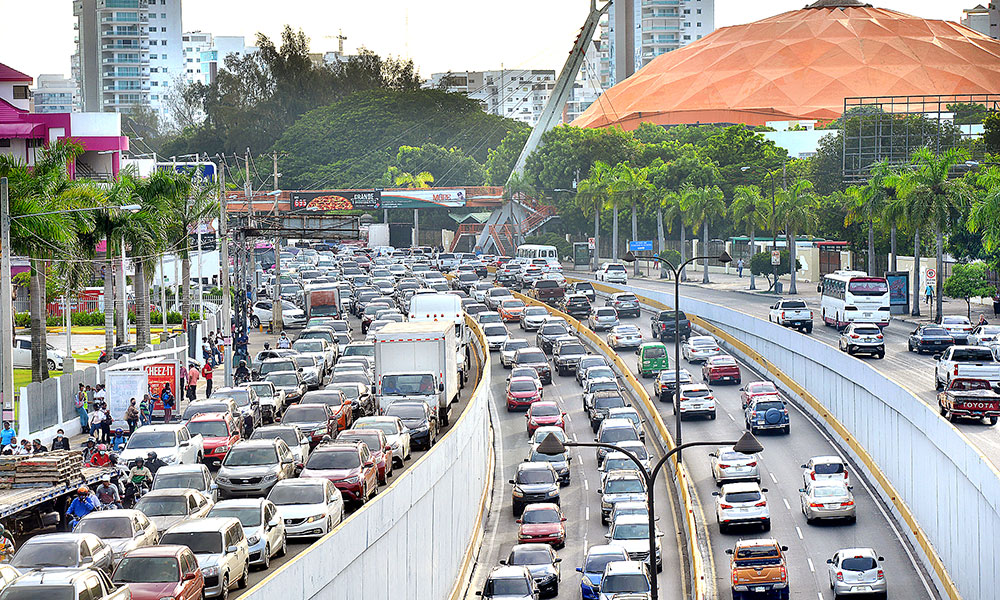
206 374
100 457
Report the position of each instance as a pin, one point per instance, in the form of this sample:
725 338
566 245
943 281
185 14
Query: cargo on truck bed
970 399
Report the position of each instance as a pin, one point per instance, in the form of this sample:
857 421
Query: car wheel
266 564
51 364
255 321
284 547
766 525
786 429
245 580
225 588
723 528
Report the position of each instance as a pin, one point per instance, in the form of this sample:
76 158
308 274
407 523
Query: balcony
134 4
142 60
653 3
123 88
122 32
659 28
123 18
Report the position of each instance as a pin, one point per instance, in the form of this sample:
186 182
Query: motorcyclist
82 505
89 448
242 372
153 463
118 440
100 457
139 475
107 493
7 548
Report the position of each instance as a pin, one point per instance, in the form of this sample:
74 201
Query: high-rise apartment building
55 94
518 94
214 58
194 43
640 30
984 19
127 53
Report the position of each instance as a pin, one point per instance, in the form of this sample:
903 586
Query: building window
687 24
152 43
163 15
699 23
4 143
699 11
154 83
21 92
687 11
152 57
152 15
687 37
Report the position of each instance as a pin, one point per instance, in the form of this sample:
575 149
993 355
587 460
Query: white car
212 540
271 399
696 399
22 354
631 533
959 327
985 335
730 465
172 443
291 315
741 504
263 528
823 468
196 477
612 273
509 348
123 529
320 348
168 507
395 432
699 348
310 508
854 571
297 442
496 334
625 336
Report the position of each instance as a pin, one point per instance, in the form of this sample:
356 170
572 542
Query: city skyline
400 32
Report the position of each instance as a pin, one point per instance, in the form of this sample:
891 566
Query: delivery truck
322 302
443 307
417 361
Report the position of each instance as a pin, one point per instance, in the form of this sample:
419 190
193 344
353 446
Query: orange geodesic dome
801 65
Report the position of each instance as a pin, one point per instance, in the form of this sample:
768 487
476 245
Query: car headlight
395 445
253 539
517 493
169 459
421 428
269 477
354 479
315 518
222 449
222 479
210 571
553 493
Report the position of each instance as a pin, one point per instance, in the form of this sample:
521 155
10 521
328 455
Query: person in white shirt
283 342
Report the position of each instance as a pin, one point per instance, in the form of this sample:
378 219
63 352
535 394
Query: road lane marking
810 561
787 505
730 417
798 531
586 485
586 513
569 417
773 478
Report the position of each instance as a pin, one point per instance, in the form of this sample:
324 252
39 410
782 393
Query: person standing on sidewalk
929 293
7 434
60 442
81 409
132 416
192 384
96 420
206 373
146 410
167 397
739 267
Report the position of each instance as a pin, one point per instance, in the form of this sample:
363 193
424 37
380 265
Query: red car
757 388
157 572
378 446
510 310
542 524
522 392
219 432
349 466
721 368
542 414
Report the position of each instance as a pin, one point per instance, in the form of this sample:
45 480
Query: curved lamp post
747 444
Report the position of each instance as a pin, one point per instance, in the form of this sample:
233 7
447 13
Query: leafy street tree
453 166
186 203
420 180
592 195
144 234
984 215
705 205
673 204
968 281
633 186
747 209
865 207
796 208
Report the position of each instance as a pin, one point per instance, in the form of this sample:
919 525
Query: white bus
530 251
854 297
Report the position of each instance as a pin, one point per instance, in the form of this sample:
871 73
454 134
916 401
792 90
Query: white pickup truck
792 313
173 444
969 362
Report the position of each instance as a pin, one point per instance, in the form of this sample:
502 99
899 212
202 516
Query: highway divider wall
936 483
416 539
702 584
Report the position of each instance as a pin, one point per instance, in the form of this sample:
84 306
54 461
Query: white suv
612 273
741 504
221 549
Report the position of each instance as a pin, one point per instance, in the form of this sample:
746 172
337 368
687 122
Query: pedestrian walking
106 424
192 379
739 267
206 374
183 382
132 416
7 434
167 398
100 393
96 419
206 350
146 410
81 409
929 293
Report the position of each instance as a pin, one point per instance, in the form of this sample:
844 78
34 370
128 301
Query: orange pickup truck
971 399
758 569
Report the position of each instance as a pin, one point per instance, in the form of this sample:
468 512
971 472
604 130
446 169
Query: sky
36 36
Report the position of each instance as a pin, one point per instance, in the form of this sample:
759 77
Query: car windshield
829 468
286 435
596 562
512 304
535 476
545 410
402 385
200 542
609 402
262 389
523 386
304 361
616 464
46 554
829 491
626 485
625 583
349 390
169 481
151 439
531 358
512 345
147 569
535 311
600 371
553 330
765 406
304 414
570 349
530 556
406 411
248 516
516 587
360 350
200 408
488 317
631 531
250 457
494 329
742 497
280 365
334 459
106 528
549 458
288 495
283 379
858 563
543 515
162 506
616 268
209 429
604 386
972 355
308 346
385 427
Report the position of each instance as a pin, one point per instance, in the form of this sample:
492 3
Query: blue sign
641 246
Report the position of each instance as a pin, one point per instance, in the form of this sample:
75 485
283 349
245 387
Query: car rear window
546 283
793 304
742 497
654 352
858 563
762 406
829 468
972 354
529 358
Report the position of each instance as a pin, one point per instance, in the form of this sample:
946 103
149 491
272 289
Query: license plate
832 505
869 340
863 588
867 314
741 469
760 589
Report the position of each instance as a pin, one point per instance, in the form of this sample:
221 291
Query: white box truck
417 361
444 307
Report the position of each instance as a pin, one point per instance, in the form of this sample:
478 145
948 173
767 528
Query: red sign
161 374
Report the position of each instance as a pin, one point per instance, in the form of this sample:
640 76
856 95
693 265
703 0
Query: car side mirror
804 467
880 559
600 491
502 561
829 561
231 550
850 488
763 490
937 357
557 560
189 576
479 592
784 548
729 551
518 521
715 493
579 569
511 481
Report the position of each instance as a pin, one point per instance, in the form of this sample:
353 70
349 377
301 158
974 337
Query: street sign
641 246
775 257
590 243
931 274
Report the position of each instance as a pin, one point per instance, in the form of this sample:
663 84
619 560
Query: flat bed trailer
23 509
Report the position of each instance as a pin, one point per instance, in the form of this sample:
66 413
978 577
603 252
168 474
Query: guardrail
418 537
932 478
699 552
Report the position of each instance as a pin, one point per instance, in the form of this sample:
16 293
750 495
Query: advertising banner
335 200
899 292
425 198
122 386
159 375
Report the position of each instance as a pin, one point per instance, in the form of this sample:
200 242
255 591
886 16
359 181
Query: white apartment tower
55 94
195 42
518 94
640 30
127 53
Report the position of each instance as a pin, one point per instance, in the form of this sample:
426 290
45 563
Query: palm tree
632 185
144 236
187 204
984 216
796 208
705 204
110 223
864 206
747 209
885 181
673 203
931 193
421 180
592 194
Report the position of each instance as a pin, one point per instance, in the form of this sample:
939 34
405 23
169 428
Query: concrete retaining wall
415 539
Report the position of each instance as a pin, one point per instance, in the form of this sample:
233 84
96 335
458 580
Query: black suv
567 354
534 482
600 404
662 325
577 305
547 335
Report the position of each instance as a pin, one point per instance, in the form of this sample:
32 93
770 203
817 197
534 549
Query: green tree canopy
968 281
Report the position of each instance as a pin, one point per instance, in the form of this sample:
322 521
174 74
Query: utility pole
6 305
163 301
277 321
227 301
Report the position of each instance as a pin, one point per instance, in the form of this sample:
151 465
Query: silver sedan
857 571
827 500
729 465
604 318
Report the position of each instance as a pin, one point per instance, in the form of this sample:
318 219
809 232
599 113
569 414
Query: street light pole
6 305
747 444
724 258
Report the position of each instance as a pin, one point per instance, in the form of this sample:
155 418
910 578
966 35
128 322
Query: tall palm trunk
109 303
939 250
186 289
141 305
791 261
871 248
683 253
892 248
614 231
635 228
753 249
121 308
597 237
36 304
915 312
659 235
704 251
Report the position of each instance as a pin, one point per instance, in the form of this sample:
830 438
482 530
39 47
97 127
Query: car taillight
782 314
725 506
812 475
761 503
881 574
956 370
846 475
735 577
815 505
752 464
722 466
840 576
784 574
855 336
878 337
848 503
